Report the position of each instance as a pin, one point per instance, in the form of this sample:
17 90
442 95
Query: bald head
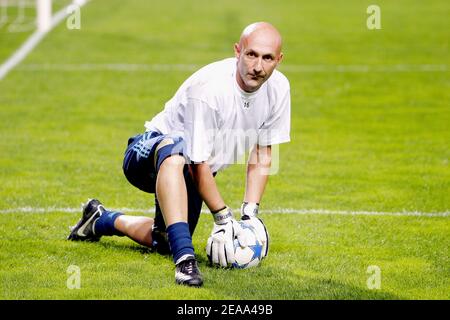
258 53
263 32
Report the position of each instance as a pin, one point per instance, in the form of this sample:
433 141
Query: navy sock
180 240
104 226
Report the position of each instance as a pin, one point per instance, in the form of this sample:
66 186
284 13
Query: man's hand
220 246
249 213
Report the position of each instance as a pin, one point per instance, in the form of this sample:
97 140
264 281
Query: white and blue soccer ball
251 255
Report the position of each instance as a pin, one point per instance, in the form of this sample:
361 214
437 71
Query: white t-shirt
219 121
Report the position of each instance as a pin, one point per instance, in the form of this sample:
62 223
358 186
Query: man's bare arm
257 173
206 185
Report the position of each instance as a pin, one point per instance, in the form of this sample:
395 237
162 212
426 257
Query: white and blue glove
220 245
249 214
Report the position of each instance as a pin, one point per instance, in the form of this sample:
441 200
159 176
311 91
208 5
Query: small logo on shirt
246 104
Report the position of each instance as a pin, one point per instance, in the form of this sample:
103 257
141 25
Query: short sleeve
276 129
199 130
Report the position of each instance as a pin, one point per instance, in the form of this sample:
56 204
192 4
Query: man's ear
280 58
237 50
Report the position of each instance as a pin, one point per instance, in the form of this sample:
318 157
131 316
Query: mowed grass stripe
161 67
263 211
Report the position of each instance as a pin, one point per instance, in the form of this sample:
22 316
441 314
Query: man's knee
174 161
169 152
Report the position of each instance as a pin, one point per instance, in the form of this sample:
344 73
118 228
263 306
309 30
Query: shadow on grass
111 244
272 284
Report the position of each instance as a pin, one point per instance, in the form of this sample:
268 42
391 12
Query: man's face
257 57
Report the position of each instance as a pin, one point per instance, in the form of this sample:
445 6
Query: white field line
34 40
128 67
266 211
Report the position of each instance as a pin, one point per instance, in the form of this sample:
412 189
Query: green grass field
370 132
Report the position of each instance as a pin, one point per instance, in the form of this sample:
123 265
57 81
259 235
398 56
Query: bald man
221 112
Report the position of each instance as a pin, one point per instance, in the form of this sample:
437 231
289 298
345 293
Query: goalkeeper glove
220 245
249 214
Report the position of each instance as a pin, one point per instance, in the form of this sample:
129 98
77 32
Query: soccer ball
250 256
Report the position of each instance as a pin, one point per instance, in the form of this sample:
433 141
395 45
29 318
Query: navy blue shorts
141 169
140 166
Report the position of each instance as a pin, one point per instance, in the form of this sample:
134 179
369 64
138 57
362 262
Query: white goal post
43 14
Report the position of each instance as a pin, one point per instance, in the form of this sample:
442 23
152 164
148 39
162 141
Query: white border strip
268 211
128 67
34 40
